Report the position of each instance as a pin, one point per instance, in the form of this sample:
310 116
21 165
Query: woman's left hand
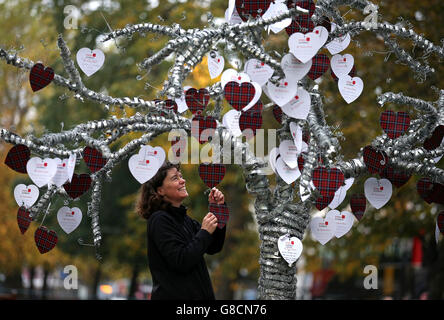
216 196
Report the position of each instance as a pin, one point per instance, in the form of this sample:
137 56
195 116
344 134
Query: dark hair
148 200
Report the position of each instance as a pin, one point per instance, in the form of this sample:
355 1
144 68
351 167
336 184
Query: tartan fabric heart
320 64
169 105
435 140
325 22
424 186
250 120
239 95
178 145
211 173
221 212
257 108
197 100
358 204
45 239
440 221
277 112
23 219
78 185
327 180
40 77
251 8
375 160
93 159
301 23
301 161
199 124
351 74
397 178
18 157
394 124
323 201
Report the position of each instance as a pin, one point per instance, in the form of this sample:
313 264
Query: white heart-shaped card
350 88
293 68
343 220
257 96
322 229
290 248
90 61
216 63
341 193
338 44
69 218
181 102
71 165
156 152
143 167
305 46
296 133
285 172
272 156
283 92
41 171
231 122
299 105
26 195
61 175
378 192
258 71
289 153
277 8
342 64
232 75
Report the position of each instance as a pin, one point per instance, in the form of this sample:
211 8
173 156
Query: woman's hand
216 196
209 223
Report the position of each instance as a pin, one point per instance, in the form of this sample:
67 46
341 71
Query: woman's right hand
209 223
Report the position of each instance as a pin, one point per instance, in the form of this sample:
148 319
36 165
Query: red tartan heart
437 193
394 124
239 95
440 221
358 204
199 124
351 74
277 112
45 239
211 173
306 136
221 212
396 177
250 120
435 140
18 157
169 105
258 107
251 8
301 161
301 23
23 219
78 185
320 64
323 201
375 160
327 180
197 100
178 145
424 186
40 77
93 159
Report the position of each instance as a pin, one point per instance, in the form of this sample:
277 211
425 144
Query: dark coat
176 247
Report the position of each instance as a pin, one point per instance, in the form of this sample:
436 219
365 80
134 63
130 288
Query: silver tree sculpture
284 210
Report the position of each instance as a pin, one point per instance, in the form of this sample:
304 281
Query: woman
177 243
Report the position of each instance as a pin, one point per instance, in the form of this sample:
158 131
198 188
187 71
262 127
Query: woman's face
173 188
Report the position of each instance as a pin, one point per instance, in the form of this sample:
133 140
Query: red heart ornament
239 95
327 180
351 74
251 8
301 161
424 186
93 159
221 212
277 112
394 124
320 64
23 219
375 160
199 124
169 105
435 140
250 120
40 77
197 100
325 22
45 239
358 204
440 221
397 178
301 23
78 185
437 195
323 201
18 157
211 173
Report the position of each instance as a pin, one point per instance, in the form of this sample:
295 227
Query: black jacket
176 247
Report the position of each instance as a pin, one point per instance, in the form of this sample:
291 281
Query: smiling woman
177 243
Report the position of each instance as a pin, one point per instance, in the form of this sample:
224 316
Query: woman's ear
160 191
